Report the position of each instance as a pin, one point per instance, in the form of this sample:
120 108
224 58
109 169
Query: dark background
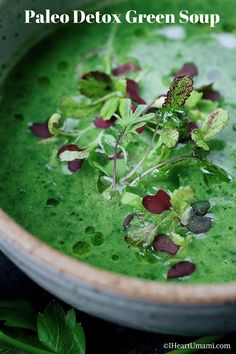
101 336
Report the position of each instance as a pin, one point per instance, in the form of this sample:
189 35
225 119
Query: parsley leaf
18 313
59 332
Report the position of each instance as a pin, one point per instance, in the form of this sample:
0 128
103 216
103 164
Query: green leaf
68 155
169 137
177 239
214 123
125 107
180 199
120 85
133 200
18 313
60 333
143 236
69 107
197 137
180 89
54 123
109 108
210 168
193 99
95 84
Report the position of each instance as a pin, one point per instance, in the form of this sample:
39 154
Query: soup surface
68 210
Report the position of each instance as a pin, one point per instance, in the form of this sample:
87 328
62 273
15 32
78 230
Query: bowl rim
106 281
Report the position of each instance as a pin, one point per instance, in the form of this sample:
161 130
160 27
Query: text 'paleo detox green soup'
118 148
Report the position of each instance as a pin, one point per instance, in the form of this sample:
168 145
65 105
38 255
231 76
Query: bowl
146 305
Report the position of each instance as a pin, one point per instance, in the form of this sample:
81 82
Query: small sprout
125 68
201 208
163 244
40 130
100 123
188 69
157 203
181 269
199 224
132 91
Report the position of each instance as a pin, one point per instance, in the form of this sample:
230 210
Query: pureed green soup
178 219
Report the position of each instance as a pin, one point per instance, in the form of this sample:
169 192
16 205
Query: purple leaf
163 244
75 165
158 203
125 68
191 127
127 220
209 93
41 130
181 269
189 69
100 123
132 91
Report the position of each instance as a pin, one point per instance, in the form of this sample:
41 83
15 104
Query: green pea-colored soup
66 210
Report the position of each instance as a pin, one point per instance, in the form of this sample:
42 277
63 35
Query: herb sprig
49 332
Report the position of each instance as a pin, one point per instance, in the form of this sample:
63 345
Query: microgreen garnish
108 119
132 91
41 130
181 269
209 93
179 92
189 69
157 203
100 123
125 68
163 244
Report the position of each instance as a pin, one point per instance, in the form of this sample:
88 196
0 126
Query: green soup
66 210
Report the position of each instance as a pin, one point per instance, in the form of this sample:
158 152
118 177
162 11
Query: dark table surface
102 337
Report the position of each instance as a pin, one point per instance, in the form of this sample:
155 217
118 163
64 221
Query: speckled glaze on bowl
146 305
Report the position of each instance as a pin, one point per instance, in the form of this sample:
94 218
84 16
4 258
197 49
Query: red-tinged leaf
75 165
41 130
189 69
69 147
104 124
181 269
209 93
95 84
132 91
127 221
140 130
158 203
180 90
125 68
163 244
191 127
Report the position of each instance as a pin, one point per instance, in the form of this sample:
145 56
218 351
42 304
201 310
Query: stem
193 349
160 165
109 51
133 171
104 98
23 346
115 160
